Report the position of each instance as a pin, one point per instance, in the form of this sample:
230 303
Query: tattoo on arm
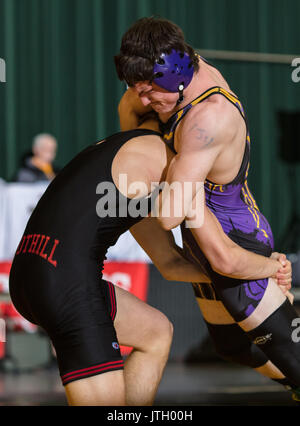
202 136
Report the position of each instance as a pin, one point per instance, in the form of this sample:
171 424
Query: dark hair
143 44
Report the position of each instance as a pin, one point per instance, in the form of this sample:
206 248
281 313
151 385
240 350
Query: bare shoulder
144 143
206 125
148 149
142 159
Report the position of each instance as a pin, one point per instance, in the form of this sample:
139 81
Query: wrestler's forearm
180 269
251 266
162 249
130 110
229 259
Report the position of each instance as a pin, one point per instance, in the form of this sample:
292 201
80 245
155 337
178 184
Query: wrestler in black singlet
56 275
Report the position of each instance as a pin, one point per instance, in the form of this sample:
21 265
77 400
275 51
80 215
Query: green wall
61 78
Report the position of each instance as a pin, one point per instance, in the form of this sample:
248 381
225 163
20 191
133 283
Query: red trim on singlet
92 370
112 300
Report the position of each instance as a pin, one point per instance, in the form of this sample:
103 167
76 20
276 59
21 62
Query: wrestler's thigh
230 341
272 299
137 324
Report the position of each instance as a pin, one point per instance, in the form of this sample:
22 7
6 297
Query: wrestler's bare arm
130 109
224 255
164 253
229 259
200 144
200 140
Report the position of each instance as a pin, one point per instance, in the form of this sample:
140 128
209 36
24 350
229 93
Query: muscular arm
225 257
164 253
194 160
229 259
199 144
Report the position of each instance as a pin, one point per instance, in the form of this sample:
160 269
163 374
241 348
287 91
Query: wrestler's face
162 101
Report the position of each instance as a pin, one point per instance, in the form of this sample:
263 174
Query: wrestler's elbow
224 269
224 264
169 223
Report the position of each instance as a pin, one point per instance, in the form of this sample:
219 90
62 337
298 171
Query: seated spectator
38 165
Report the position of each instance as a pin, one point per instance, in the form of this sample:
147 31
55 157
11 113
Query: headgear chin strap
180 92
173 72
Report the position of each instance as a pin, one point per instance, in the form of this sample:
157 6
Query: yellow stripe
229 95
218 186
233 99
251 208
250 195
251 211
258 219
205 95
247 198
179 115
253 204
254 211
247 171
168 136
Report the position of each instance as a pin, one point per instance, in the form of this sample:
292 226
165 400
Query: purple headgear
173 72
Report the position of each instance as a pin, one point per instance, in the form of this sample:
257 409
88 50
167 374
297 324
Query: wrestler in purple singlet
237 212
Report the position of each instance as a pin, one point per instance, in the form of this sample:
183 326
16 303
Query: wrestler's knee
140 325
160 334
